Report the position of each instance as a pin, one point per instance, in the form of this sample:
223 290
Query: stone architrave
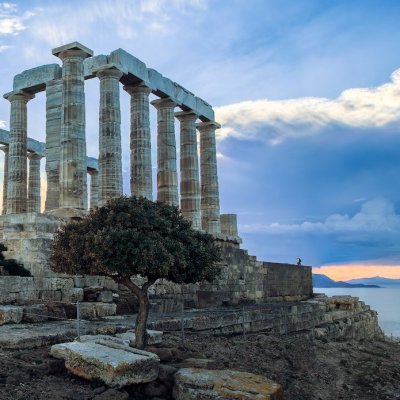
34 183
189 169
17 161
141 170
53 136
167 177
209 178
73 187
94 188
5 149
110 161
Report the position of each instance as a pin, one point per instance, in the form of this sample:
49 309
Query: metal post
78 321
243 322
182 323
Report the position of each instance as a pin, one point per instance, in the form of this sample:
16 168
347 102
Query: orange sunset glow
353 271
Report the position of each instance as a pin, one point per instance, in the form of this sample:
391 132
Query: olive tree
134 236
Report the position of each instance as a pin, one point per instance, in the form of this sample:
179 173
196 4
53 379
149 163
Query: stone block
106 296
129 64
115 365
35 79
72 295
90 64
35 313
97 310
50 295
10 314
194 383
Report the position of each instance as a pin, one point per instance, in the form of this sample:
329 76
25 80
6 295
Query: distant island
323 281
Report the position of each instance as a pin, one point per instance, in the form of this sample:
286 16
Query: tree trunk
143 312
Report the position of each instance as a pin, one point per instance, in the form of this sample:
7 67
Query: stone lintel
34 79
73 46
92 164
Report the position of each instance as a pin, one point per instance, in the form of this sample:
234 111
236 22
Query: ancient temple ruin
28 233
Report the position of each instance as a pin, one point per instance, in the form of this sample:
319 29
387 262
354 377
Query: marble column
34 183
167 178
110 161
229 224
5 149
73 187
94 188
189 168
17 161
53 137
141 169
209 178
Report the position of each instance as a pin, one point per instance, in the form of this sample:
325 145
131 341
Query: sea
386 301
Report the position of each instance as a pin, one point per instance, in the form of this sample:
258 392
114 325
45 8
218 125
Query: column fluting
94 188
167 178
34 183
17 161
73 187
140 142
210 210
5 149
189 168
110 159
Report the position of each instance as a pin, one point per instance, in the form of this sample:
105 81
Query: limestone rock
113 364
129 337
35 313
193 384
10 314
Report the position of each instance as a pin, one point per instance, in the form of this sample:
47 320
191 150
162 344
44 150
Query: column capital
74 49
5 148
18 95
141 88
166 102
201 126
91 171
34 156
186 116
108 71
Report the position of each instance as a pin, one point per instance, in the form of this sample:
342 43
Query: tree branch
126 281
147 284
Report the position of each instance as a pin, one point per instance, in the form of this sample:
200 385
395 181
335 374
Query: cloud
278 120
376 217
10 22
2 124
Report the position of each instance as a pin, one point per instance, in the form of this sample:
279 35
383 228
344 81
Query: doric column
110 160
189 169
17 162
5 178
53 137
167 178
209 178
94 188
34 183
73 190
229 224
141 170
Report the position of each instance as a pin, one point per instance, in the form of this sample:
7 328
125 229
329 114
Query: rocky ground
306 369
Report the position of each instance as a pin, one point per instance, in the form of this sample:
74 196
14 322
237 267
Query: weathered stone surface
72 295
35 313
5 150
129 64
97 310
10 314
129 337
116 365
105 296
35 79
195 384
34 202
229 224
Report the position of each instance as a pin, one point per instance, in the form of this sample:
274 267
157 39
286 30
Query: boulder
10 314
196 383
116 365
155 337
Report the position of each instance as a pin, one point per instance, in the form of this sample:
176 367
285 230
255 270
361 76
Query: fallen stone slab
11 314
196 383
116 365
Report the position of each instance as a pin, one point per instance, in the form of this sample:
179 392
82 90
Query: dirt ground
306 369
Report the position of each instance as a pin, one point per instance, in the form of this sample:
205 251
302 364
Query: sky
307 93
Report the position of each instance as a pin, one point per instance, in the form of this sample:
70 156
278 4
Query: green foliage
13 267
135 236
